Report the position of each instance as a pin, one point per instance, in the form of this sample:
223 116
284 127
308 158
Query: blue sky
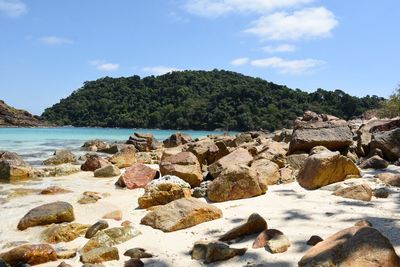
49 48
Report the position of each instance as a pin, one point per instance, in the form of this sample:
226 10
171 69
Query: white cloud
55 40
240 61
159 70
283 48
288 66
12 8
306 23
216 8
102 65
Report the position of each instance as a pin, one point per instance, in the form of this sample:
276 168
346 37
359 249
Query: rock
214 251
314 240
326 168
288 175
201 191
137 253
205 150
95 145
374 162
126 157
183 165
99 255
177 139
296 161
107 171
93 265
134 263
388 142
3 263
143 142
352 247
94 162
363 223
255 224
110 237
114 215
236 182
55 171
21 192
29 254
54 190
364 135
180 214
170 179
57 233
60 157
273 240
381 192
334 135
12 167
389 178
358 192
268 171
161 194
137 176
126 223
65 253
64 264
89 197
98 226
114 148
237 157
56 212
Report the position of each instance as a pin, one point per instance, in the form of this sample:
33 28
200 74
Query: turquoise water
37 144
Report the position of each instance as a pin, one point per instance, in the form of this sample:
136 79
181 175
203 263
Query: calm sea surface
37 144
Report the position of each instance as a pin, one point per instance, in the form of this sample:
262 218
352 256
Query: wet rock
29 254
98 226
314 240
326 168
114 215
255 224
180 214
237 157
89 197
137 176
56 212
100 254
214 251
94 162
183 165
352 247
390 178
12 167
126 157
137 253
374 162
381 192
236 182
63 232
177 139
60 157
54 190
107 171
358 192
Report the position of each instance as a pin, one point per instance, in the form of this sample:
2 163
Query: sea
37 144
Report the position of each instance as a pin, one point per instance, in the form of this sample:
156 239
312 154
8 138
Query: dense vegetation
198 100
391 107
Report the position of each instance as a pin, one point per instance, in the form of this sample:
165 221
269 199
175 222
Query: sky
49 48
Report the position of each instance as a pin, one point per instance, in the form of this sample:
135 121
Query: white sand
296 212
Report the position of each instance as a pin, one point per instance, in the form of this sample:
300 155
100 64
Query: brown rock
374 162
29 254
177 139
255 224
98 226
57 233
162 194
56 212
107 171
134 263
184 165
12 167
326 168
137 176
268 171
352 247
126 157
99 255
288 175
180 214
60 157
95 145
314 240
237 157
296 161
114 215
64 264
214 251
54 190
143 142
137 253
205 150
94 162
89 197
388 142
274 240
390 178
358 192
363 223
381 192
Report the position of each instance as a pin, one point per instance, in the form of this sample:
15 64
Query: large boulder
320 130
180 214
61 157
268 171
107 171
93 162
137 176
184 165
143 142
126 157
177 139
12 167
29 254
55 212
205 150
352 247
95 145
236 182
238 156
364 135
326 168
388 142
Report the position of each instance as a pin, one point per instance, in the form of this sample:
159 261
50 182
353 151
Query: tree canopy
200 100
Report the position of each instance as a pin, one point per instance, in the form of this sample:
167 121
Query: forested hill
198 100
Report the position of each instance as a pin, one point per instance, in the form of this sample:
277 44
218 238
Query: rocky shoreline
323 194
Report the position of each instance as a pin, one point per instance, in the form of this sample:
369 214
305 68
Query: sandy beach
296 212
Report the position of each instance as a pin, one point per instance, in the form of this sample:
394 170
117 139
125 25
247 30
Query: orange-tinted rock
255 224
30 254
94 162
358 192
137 176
